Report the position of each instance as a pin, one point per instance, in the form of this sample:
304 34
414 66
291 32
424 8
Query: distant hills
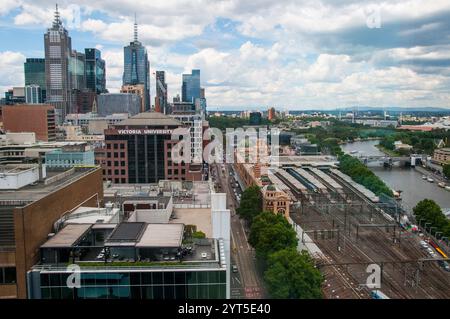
396 109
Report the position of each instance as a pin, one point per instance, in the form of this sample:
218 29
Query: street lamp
420 221
431 233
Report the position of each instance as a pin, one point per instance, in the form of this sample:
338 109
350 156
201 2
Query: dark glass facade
95 71
190 90
192 284
35 74
145 156
137 68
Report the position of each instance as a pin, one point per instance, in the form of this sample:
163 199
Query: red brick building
138 150
28 216
37 118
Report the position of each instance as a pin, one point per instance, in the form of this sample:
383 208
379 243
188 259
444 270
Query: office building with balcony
140 247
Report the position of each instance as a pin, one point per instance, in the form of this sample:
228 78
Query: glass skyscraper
95 71
34 69
190 91
137 66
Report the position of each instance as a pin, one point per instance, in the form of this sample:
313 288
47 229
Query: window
122 163
8 275
116 146
116 163
122 154
122 172
122 146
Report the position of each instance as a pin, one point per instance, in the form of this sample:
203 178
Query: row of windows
116 163
115 146
117 172
8 275
116 154
137 278
213 291
176 171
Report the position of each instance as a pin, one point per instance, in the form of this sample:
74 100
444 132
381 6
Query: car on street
444 265
234 268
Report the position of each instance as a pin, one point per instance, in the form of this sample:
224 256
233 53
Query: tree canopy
291 274
271 232
427 210
250 204
362 175
447 170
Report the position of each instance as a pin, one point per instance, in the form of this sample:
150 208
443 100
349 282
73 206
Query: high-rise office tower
35 75
137 66
161 92
190 90
95 71
77 63
58 50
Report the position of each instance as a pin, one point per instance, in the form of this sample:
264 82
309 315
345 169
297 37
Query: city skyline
315 55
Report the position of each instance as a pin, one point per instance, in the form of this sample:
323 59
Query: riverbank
408 180
387 151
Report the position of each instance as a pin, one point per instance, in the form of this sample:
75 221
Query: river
408 180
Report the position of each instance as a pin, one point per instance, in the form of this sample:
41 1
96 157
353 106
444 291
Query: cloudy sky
290 54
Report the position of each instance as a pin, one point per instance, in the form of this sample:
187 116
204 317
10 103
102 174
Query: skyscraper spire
57 21
135 29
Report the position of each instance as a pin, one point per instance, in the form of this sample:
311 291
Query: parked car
234 268
444 265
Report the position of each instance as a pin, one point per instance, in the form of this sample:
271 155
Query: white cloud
293 53
11 70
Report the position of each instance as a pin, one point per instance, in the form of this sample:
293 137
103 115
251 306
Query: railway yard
353 230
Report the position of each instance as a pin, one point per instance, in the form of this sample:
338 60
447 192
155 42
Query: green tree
198 234
430 212
446 170
271 232
250 204
362 175
292 275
